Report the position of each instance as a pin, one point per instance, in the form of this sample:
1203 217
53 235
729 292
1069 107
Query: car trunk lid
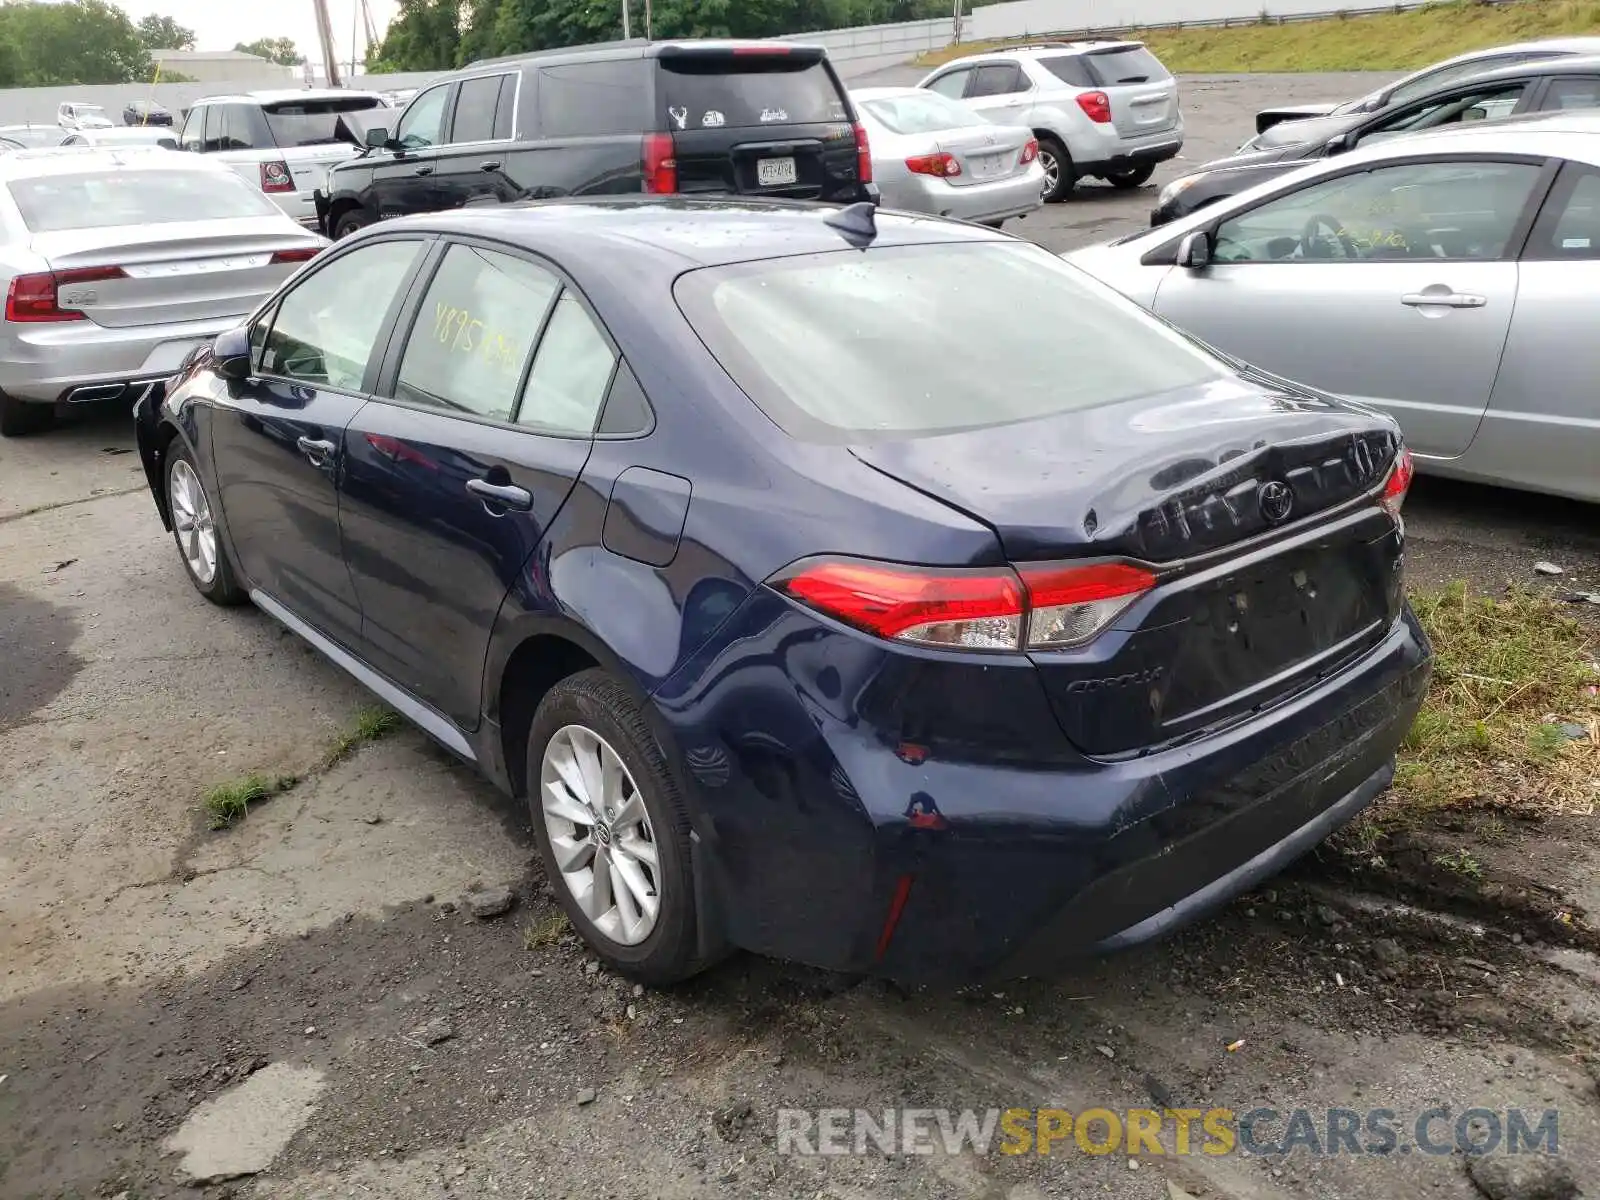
984 154
756 119
190 272
1252 602
1143 94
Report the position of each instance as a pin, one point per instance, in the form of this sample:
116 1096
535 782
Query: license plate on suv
775 172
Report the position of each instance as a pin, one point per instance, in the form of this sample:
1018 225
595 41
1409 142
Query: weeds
1399 41
1461 863
228 803
371 725
544 933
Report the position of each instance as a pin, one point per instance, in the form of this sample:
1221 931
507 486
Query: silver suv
1103 109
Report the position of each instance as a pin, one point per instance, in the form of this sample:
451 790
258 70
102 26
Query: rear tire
194 529
19 418
1134 177
1059 178
350 222
589 726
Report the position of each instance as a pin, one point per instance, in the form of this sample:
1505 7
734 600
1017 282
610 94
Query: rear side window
922 112
834 347
595 99
315 122
472 335
753 90
1569 226
1131 64
998 79
570 375
1069 69
104 198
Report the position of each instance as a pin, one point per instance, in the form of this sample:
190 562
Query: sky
222 24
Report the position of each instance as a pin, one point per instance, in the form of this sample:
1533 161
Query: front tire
1059 179
1133 177
19 418
194 529
612 829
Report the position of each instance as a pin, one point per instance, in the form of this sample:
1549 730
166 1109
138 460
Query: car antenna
858 222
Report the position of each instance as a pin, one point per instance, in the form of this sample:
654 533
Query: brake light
37 298
1030 151
934 164
1398 484
275 177
1096 106
659 164
296 256
863 154
1034 606
775 48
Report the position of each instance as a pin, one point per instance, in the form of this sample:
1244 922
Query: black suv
752 118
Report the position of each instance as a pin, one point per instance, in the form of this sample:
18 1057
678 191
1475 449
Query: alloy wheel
1052 173
192 522
600 834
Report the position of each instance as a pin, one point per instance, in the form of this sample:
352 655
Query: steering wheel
1311 237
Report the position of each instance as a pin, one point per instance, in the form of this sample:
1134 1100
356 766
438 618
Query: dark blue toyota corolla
873 591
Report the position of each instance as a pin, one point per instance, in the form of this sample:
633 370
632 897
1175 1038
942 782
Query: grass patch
226 804
1400 41
1461 863
545 932
1508 674
371 725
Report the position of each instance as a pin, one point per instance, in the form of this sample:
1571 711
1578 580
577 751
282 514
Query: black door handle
316 450
501 495
491 165
423 171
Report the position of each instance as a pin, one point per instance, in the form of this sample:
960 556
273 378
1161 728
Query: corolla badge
1276 501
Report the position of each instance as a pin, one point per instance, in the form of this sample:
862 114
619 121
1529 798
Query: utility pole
325 34
626 32
648 36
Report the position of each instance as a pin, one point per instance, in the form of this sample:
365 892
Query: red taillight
940 164
296 256
37 298
775 48
1030 151
863 154
275 177
659 163
1398 484
1096 106
1031 607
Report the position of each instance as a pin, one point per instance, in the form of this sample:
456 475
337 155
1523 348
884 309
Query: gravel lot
151 965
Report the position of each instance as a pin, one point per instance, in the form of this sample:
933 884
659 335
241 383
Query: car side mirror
230 353
1476 113
1338 143
1194 251
377 138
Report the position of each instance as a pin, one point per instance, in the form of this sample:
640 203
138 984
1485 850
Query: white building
232 67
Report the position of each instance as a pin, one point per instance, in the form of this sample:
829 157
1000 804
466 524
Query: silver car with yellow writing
931 154
117 263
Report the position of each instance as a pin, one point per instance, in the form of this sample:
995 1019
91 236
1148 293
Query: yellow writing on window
465 333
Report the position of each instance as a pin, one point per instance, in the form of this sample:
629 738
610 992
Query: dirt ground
151 965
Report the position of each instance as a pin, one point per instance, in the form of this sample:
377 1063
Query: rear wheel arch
539 662
343 207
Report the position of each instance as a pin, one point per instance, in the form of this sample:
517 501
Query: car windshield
913 340
714 91
316 122
924 112
95 199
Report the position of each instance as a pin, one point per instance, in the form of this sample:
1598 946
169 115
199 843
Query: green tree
163 33
282 51
80 41
425 36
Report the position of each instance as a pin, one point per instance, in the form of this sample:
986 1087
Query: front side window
422 124
1486 104
1441 210
476 103
327 327
835 346
193 138
471 338
953 84
1444 76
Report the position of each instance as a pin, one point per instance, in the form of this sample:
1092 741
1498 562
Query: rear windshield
315 122
707 93
1134 64
926 112
914 340
103 198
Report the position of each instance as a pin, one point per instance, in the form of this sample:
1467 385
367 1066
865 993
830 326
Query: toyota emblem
1276 501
